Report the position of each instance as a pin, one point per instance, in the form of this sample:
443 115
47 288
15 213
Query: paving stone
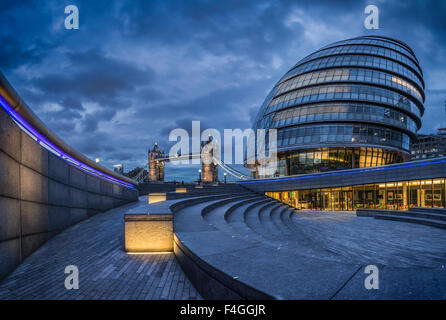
95 246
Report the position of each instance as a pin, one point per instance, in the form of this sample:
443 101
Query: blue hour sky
135 70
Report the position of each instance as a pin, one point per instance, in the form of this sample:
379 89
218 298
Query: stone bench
156 197
149 228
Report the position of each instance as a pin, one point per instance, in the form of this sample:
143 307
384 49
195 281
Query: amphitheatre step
185 219
252 220
229 260
223 267
236 221
286 215
404 218
223 203
281 240
421 214
426 214
232 217
268 225
218 210
278 223
231 209
174 195
428 210
145 188
216 217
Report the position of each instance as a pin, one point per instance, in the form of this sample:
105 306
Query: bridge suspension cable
230 170
144 172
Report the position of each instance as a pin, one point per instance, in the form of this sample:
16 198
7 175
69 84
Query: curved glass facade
354 103
358 60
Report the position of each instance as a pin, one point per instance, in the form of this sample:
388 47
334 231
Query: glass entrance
342 199
326 200
332 199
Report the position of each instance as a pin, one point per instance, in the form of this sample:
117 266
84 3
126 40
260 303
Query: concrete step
252 220
423 221
275 218
268 224
211 208
145 188
275 227
188 214
429 210
236 220
253 201
217 216
234 259
425 214
286 218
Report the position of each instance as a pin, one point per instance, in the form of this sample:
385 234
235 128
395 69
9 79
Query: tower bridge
154 169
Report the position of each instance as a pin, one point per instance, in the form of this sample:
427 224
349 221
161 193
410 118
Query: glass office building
352 104
400 195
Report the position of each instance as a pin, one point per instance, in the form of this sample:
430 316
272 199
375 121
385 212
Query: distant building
118 168
428 146
156 167
209 167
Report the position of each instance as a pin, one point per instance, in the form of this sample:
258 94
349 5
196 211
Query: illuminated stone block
199 186
156 197
148 232
181 190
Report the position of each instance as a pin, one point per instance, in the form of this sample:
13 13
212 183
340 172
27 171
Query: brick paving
95 246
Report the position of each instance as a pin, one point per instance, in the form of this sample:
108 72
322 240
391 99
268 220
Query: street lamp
225 176
199 175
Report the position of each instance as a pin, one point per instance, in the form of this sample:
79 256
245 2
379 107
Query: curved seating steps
235 221
217 214
174 196
245 247
434 217
277 229
235 213
198 199
429 210
220 215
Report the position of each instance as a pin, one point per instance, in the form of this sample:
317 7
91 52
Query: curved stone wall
41 194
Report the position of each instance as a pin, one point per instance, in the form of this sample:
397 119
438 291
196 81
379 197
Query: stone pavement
95 246
289 254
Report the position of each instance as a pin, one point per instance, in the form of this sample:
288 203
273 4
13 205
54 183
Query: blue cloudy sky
137 69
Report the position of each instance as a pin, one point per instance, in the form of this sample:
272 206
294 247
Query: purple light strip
27 128
350 171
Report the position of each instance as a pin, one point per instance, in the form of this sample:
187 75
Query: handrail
31 124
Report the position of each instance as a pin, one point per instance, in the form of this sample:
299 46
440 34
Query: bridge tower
209 167
156 167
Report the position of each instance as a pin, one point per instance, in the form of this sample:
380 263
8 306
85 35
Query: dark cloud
94 76
121 156
72 103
